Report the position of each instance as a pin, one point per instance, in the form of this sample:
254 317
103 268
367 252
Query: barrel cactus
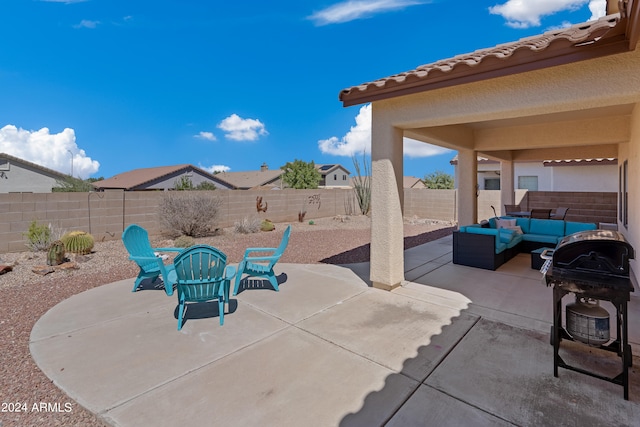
55 253
267 225
78 242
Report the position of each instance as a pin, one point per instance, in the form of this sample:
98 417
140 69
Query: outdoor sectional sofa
489 245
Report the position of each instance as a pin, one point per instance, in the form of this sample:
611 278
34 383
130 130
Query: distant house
263 178
159 178
557 175
21 176
412 182
333 176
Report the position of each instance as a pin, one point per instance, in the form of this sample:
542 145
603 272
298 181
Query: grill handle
547 254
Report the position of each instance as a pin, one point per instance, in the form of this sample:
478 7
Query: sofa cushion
573 227
541 238
523 223
546 227
505 223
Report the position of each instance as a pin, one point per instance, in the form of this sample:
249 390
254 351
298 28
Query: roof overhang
609 35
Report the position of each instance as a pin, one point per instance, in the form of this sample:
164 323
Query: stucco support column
387 231
467 187
507 195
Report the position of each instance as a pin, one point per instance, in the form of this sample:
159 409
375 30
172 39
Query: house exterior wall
336 178
15 177
587 178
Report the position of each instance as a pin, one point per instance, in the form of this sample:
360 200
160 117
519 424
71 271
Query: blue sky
115 85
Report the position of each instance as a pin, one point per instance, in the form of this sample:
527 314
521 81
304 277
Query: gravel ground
26 296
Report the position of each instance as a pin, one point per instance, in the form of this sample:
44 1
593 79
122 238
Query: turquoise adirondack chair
262 265
202 275
136 240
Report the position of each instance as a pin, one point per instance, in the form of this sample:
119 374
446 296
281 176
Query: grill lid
593 255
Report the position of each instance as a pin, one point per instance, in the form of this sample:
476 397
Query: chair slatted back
200 272
136 241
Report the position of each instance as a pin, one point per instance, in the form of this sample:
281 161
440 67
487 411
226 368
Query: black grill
594 265
598 258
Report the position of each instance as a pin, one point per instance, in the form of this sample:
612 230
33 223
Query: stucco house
263 178
549 175
547 97
334 176
21 176
158 178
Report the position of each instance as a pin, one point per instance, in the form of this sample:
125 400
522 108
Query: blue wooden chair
136 240
202 275
262 265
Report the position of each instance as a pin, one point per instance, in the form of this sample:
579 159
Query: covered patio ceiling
600 130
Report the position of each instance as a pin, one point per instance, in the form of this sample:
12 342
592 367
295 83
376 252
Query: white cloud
598 9
239 129
216 168
208 136
85 23
358 140
351 10
48 150
527 13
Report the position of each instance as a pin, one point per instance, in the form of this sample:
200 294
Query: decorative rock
70 265
5 268
42 270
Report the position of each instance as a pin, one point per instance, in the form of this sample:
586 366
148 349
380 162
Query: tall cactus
55 253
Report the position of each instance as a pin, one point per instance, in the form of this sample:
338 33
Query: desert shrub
38 236
78 242
189 213
184 242
247 225
267 225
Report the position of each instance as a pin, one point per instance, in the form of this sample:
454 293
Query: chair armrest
144 258
168 249
250 250
229 272
261 258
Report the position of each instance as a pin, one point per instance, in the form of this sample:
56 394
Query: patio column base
386 287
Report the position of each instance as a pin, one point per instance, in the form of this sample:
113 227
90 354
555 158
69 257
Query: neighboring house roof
580 42
580 162
551 163
329 168
138 179
412 182
37 167
250 179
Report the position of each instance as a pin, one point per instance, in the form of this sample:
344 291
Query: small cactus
55 253
267 225
78 242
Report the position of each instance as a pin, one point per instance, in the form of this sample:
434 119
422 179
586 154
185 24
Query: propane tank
587 322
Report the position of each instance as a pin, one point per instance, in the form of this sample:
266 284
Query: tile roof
137 178
45 170
580 162
250 179
583 41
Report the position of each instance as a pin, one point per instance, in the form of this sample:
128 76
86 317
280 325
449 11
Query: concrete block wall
432 204
107 214
583 206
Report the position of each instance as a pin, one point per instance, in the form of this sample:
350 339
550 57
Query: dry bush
247 225
189 213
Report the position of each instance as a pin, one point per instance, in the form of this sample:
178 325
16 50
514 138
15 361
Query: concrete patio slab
81 311
403 334
306 291
509 371
329 350
104 364
291 378
430 407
